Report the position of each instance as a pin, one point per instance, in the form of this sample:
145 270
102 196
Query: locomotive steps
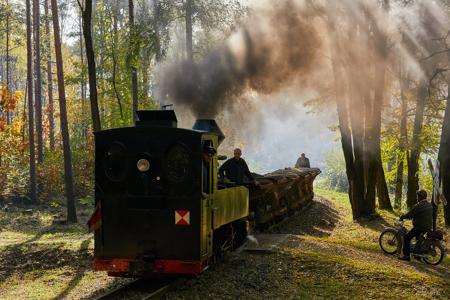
323 254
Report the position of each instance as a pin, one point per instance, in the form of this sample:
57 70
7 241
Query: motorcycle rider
422 216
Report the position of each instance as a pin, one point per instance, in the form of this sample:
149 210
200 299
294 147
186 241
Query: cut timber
281 193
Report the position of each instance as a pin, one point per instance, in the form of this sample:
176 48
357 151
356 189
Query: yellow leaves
8 102
17 127
4 95
19 95
3 124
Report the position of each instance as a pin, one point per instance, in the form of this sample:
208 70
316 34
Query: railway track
149 289
142 289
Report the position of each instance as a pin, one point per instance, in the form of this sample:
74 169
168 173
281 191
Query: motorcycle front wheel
435 254
389 241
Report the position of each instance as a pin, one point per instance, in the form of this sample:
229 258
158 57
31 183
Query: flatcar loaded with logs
152 217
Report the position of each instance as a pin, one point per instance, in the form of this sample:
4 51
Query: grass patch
339 197
341 277
43 258
346 242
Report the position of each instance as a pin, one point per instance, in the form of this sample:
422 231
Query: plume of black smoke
289 43
275 48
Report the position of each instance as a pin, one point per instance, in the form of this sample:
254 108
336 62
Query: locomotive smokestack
209 125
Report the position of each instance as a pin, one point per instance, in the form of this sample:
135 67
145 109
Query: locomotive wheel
240 233
222 240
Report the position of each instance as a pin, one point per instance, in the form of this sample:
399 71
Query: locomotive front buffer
153 215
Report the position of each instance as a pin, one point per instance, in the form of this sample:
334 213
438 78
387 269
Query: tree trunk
87 25
24 117
156 26
346 138
444 156
380 43
51 120
145 73
343 116
8 121
372 112
68 176
157 42
102 70
361 129
384 201
83 81
38 87
402 143
357 129
189 52
357 96
33 194
114 57
132 59
371 148
413 161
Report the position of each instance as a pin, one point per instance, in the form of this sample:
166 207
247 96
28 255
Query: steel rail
143 289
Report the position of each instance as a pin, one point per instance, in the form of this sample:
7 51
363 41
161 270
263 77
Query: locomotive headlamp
143 165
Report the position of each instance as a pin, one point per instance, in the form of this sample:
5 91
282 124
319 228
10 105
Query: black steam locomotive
155 218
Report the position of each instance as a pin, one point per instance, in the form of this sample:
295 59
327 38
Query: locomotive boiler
152 216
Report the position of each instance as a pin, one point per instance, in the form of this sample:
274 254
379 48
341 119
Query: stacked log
281 193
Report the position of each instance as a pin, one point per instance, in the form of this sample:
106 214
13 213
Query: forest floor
322 254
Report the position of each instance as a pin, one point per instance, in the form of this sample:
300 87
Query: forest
373 73
69 69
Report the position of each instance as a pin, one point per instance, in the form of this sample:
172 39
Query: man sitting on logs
302 162
236 170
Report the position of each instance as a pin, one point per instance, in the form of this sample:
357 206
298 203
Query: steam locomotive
154 218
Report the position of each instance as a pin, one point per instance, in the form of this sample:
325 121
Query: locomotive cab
148 191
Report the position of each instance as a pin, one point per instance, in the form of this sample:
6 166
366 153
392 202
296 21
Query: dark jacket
235 170
205 183
421 214
302 162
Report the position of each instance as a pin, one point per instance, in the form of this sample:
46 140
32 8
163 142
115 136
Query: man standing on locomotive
236 169
422 216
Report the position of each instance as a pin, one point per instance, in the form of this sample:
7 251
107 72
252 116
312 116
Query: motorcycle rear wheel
435 255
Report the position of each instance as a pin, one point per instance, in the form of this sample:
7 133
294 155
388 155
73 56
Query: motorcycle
428 247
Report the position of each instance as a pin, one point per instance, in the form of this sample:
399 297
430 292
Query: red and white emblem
182 217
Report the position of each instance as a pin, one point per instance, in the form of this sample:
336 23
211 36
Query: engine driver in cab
207 154
236 170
